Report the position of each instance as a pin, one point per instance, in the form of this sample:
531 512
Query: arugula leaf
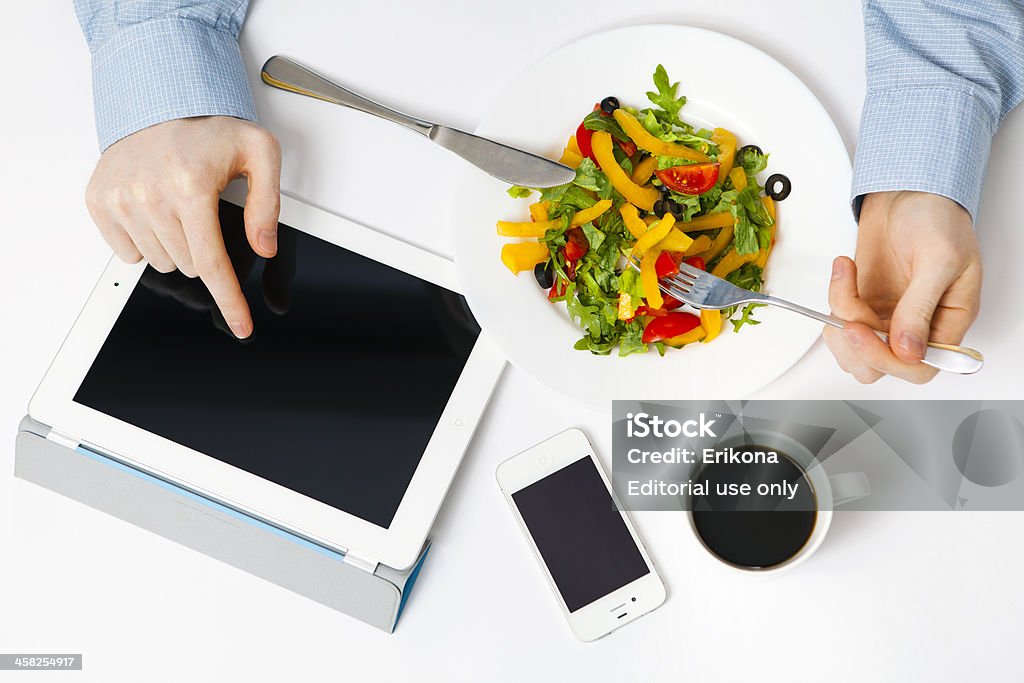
594 121
666 98
586 315
599 347
748 276
631 340
746 318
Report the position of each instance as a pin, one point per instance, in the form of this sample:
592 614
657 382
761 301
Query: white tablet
343 418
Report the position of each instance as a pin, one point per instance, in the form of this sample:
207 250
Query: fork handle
949 357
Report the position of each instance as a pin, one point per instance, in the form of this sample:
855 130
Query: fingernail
268 241
240 329
838 268
852 337
912 344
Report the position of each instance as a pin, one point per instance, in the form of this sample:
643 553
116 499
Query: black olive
545 275
609 104
665 192
659 207
674 207
781 193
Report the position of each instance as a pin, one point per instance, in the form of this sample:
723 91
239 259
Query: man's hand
918 275
154 195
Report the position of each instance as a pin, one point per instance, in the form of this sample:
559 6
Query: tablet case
370 592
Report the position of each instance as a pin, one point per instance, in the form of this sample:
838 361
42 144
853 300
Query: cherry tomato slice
666 264
583 136
628 147
697 262
668 326
670 303
576 245
690 178
557 289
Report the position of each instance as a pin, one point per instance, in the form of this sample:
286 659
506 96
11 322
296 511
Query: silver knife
501 161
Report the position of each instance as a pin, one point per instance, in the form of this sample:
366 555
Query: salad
652 187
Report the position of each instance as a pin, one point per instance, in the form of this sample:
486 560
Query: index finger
210 259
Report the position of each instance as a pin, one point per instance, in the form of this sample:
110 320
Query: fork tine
694 273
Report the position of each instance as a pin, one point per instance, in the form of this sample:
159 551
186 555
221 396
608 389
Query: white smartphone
598 568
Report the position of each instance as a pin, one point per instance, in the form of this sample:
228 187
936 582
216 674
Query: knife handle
286 74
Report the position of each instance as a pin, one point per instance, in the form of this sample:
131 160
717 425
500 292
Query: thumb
911 324
261 165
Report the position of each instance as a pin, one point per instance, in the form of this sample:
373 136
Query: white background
926 596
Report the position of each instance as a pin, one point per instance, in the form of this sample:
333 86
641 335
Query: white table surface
909 596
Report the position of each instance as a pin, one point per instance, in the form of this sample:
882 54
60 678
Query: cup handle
848 487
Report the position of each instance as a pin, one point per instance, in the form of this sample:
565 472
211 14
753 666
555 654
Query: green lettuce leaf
518 192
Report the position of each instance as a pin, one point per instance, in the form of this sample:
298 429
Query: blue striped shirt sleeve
941 75
157 60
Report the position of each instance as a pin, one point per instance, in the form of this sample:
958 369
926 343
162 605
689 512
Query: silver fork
701 289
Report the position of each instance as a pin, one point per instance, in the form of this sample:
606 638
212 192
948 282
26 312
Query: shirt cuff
168 68
925 139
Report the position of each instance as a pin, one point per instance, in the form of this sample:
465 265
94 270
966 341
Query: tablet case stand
368 591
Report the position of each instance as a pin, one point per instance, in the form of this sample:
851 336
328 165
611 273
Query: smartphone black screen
581 536
335 395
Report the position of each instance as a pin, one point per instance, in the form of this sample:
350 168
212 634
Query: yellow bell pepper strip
762 256
521 256
526 228
732 261
539 211
654 234
570 158
631 217
643 197
538 228
711 321
649 278
587 215
676 240
708 222
700 245
719 244
726 142
626 310
739 178
573 146
643 171
645 141
694 335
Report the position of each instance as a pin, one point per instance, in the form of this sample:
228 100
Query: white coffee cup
830 491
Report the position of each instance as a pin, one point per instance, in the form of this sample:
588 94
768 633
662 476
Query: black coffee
750 530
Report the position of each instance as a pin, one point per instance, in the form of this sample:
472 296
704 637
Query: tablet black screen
335 395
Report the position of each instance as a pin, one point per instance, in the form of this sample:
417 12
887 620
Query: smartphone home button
542 461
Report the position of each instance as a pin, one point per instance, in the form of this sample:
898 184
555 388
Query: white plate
727 83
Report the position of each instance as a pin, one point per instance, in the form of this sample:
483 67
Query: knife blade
503 162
